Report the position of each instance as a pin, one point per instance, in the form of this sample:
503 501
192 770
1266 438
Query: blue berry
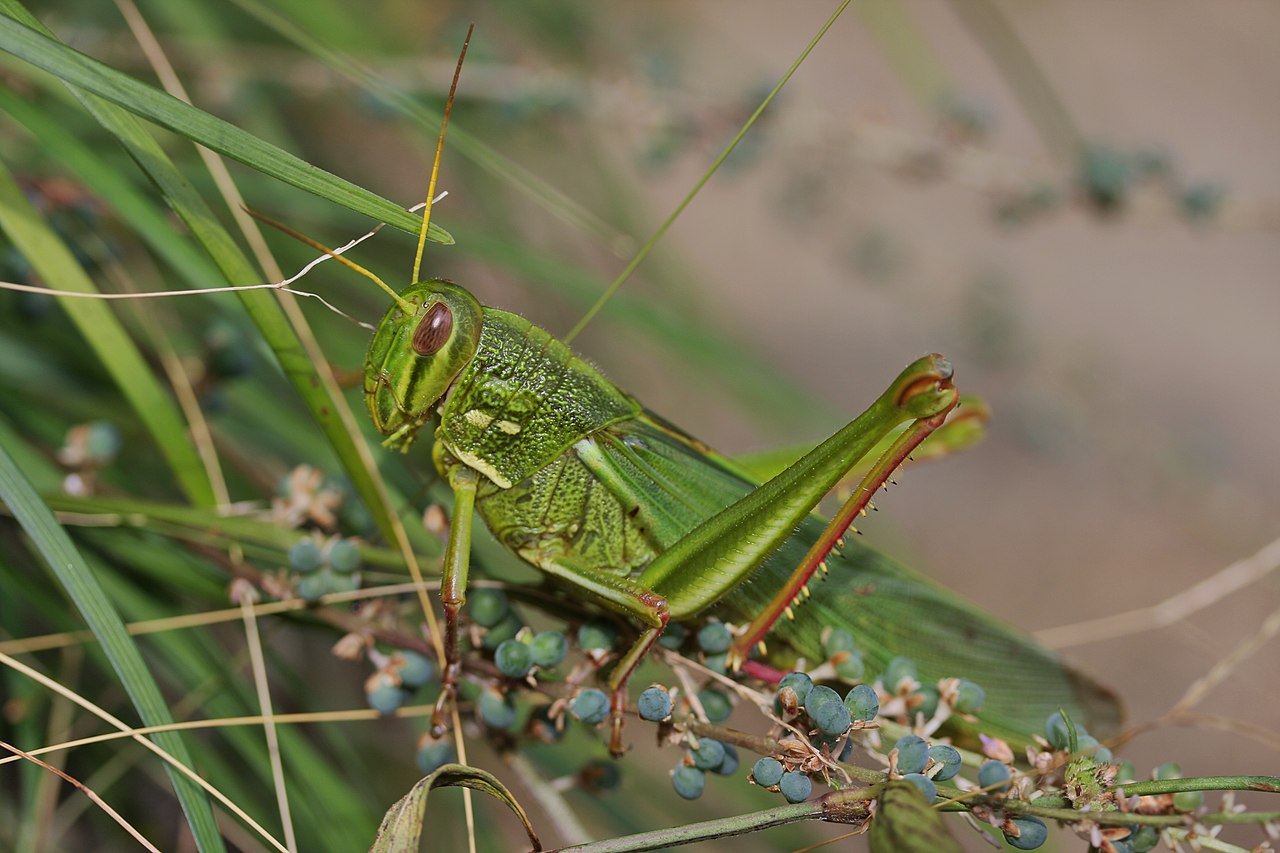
384 693
1199 202
654 704
313 586
497 711
414 669
600 777
1031 833
850 666
549 648
800 682
930 705
818 697
730 764
434 754
969 697
708 755
305 556
994 773
487 607
795 786
716 704
832 717
674 636
898 669
1106 176
862 702
591 706
1088 745
924 784
949 758
838 640
506 629
514 658
1169 770
715 638
1057 733
102 441
597 636
344 556
689 782
717 663
340 583
913 754
767 772
1188 801
1144 839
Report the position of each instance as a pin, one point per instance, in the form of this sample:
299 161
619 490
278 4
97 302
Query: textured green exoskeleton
579 480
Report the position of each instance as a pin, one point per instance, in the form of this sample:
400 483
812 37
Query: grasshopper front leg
624 595
453 588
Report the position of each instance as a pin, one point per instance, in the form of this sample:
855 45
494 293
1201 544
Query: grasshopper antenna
435 165
404 304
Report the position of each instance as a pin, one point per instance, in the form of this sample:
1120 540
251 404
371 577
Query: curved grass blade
91 600
401 829
86 73
120 357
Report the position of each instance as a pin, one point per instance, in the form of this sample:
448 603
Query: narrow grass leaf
146 217
91 600
305 369
86 73
54 262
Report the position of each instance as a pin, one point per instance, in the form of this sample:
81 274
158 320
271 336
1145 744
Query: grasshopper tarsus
617 708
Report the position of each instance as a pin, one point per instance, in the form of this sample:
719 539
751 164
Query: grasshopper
618 505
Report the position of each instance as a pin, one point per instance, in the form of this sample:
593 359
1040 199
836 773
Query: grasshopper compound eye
416 353
434 330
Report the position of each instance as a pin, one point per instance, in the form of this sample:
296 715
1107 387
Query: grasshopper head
414 357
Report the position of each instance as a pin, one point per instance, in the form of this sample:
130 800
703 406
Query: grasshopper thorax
418 350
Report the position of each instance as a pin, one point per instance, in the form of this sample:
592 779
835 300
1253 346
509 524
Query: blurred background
1078 202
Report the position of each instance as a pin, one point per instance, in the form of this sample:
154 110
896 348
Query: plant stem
837 807
1269 784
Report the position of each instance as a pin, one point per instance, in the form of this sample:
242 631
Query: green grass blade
302 366
91 600
541 192
88 74
914 62
644 250
120 357
144 216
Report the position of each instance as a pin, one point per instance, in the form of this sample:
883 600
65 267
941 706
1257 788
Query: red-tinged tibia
791 591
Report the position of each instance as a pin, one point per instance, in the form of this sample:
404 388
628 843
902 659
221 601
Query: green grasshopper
618 505
579 480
